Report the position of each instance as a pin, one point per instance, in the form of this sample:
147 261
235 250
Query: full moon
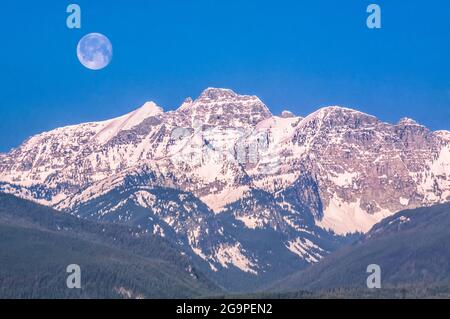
94 51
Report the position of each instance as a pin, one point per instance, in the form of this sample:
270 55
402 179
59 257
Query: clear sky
297 55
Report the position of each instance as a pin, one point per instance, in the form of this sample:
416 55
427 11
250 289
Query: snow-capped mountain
237 187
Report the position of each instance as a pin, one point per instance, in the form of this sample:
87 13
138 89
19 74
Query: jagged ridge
222 169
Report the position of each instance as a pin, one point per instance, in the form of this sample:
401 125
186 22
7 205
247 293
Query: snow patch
217 201
344 218
128 293
233 254
127 121
404 201
144 199
305 249
343 179
401 220
251 222
158 230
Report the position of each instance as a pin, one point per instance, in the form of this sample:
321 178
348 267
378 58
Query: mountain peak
217 94
287 114
136 117
337 108
218 106
186 104
335 112
443 134
150 107
128 121
406 121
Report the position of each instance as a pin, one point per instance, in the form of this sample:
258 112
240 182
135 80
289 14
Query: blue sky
296 55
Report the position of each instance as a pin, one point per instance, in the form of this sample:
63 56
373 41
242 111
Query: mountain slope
411 247
37 244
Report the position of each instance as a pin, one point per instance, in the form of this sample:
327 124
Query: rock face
287 114
244 192
368 169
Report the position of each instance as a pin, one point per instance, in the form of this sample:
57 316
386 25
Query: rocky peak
224 107
445 135
335 117
406 121
186 104
128 121
150 108
287 114
217 94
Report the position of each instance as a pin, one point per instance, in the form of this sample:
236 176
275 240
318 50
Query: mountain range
250 197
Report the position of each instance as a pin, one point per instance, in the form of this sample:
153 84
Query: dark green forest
37 244
412 248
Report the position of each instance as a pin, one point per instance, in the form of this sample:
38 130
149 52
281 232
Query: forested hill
38 243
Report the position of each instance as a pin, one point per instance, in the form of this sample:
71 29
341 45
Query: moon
94 51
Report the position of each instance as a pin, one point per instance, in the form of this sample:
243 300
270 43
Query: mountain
411 247
251 197
38 243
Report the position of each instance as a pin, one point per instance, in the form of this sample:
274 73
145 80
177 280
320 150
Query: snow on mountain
287 114
443 134
407 122
221 174
224 107
127 122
